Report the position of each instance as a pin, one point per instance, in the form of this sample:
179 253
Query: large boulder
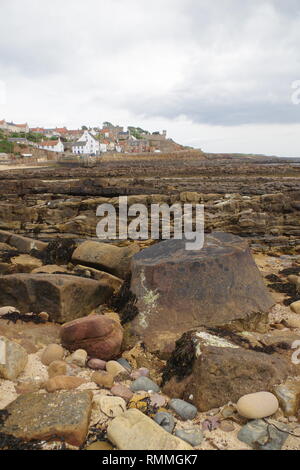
23 244
63 297
100 336
134 431
212 371
177 289
106 257
43 416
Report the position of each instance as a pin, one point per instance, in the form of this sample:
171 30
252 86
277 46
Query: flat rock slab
57 415
179 289
63 297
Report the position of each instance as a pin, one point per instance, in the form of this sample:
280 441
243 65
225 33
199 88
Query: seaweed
58 251
13 317
9 442
124 302
273 278
182 359
290 271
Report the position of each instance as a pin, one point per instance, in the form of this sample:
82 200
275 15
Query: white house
52 145
87 145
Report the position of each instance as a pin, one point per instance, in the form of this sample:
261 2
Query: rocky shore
135 345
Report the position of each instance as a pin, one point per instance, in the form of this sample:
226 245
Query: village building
51 145
12 127
88 145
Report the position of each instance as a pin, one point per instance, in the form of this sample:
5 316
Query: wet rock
63 382
122 391
177 289
219 372
192 436
105 257
288 395
78 358
103 379
53 352
44 416
114 368
165 420
257 405
144 384
57 368
112 406
13 359
100 336
134 431
262 436
63 297
185 410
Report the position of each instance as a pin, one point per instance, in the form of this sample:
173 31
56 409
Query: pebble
257 405
185 410
227 426
53 352
103 379
295 306
158 400
166 421
57 368
192 436
112 406
261 436
293 320
6 310
96 364
63 382
78 358
124 364
122 391
114 368
144 384
142 372
100 445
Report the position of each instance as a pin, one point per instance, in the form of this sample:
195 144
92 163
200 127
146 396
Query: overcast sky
216 74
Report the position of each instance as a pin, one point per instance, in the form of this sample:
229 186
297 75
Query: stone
165 420
63 382
144 384
185 410
125 364
100 336
142 372
28 387
261 436
100 445
43 416
122 391
49 269
26 245
103 379
25 263
192 436
293 320
288 395
227 426
257 405
157 400
79 358
13 359
57 368
114 368
178 289
105 257
112 406
53 352
113 281
96 364
63 297
216 372
134 431
6 310
295 306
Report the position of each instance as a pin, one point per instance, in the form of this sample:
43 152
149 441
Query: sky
221 75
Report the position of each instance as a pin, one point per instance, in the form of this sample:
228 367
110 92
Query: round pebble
57 368
144 384
192 436
166 421
185 410
103 379
96 364
124 364
78 358
257 405
114 368
53 352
